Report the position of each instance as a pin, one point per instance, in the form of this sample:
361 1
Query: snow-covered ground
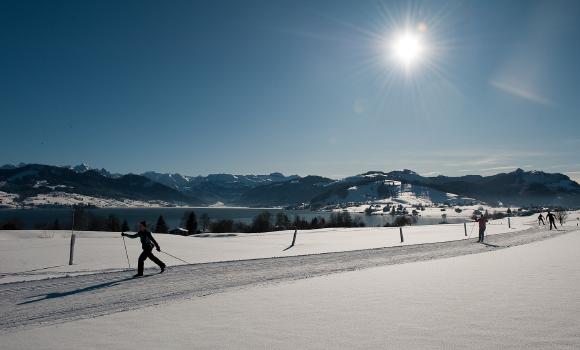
523 297
398 191
433 211
59 198
8 200
34 254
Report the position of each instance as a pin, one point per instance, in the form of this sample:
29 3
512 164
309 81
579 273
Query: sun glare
407 48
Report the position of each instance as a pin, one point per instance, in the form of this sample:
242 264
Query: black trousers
481 234
552 222
541 221
148 253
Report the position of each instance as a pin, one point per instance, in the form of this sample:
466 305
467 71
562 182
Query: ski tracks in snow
43 302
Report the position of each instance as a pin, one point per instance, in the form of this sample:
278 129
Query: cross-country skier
147 243
552 219
482 226
541 220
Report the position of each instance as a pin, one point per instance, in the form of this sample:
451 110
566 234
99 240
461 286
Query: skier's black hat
144 223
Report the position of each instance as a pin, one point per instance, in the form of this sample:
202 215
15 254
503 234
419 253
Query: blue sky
306 87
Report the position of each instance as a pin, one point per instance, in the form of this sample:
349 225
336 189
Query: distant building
179 231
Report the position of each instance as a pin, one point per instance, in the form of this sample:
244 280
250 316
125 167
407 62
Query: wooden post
465 228
72 237
72 248
401 233
294 238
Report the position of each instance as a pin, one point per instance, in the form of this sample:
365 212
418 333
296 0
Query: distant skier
482 226
541 220
147 243
552 219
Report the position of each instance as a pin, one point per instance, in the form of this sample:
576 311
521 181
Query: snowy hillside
8 200
390 191
68 199
44 185
515 188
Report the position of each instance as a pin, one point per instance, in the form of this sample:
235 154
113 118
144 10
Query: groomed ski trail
43 302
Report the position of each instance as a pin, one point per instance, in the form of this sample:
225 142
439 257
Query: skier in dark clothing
482 226
552 219
147 243
541 220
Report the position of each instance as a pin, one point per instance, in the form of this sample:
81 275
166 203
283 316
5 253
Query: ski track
31 304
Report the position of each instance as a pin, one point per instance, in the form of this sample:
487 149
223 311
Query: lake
32 218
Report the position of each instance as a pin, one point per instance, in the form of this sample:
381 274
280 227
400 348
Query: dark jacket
147 240
482 222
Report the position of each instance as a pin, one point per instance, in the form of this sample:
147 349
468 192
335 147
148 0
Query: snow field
42 254
523 297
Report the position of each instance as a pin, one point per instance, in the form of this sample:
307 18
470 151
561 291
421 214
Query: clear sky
301 87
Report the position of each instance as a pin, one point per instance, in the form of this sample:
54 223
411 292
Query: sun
407 48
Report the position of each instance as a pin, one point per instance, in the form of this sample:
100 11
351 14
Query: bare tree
561 216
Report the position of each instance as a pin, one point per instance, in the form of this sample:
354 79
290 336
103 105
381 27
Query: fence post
294 238
72 248
465 228
509 223
401 233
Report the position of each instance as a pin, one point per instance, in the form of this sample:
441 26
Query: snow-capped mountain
25 183
82 168
37 184
515 188
175 181
226 188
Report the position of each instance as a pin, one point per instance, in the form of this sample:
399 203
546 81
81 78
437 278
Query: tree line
266 222
190 223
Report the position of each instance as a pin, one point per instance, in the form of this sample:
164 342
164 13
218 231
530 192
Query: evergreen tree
261 222
97 223
222 226
56 225
282 221
190 221
161 226
81 219
113 223
300 223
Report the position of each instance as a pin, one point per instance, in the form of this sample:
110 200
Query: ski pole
126 254
472 227
173 256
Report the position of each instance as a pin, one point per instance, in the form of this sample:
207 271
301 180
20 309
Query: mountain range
32 180
516 188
